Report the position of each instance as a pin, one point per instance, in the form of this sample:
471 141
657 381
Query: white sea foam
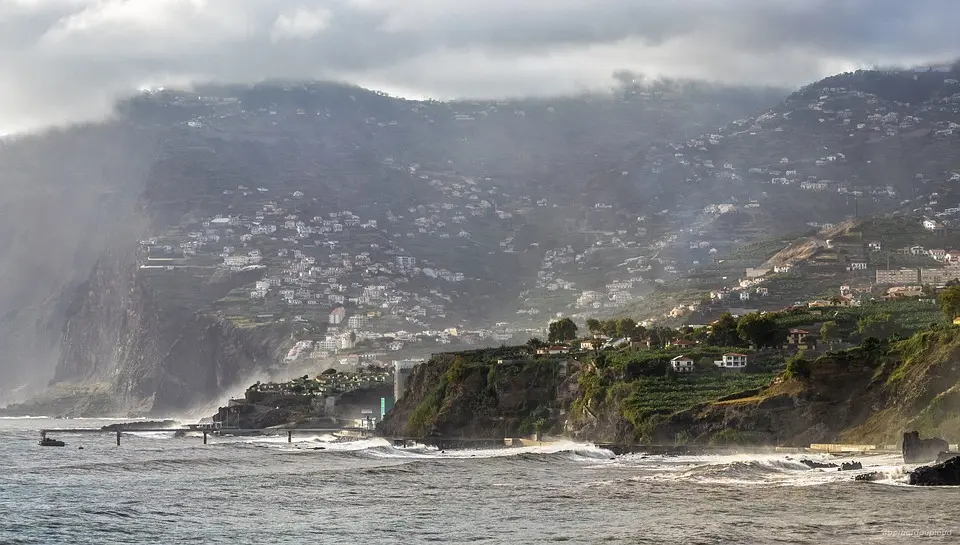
761 469
577 451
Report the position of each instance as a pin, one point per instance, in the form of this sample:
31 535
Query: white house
858 265
744 295
682 364
732 361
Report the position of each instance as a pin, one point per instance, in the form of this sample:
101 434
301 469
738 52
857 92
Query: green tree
659 336
562 330
830 332
723 332
950 301
760 330
880 326
593 326
601 361
626 327
535 344
609 327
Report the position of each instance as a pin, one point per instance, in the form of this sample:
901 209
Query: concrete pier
354 432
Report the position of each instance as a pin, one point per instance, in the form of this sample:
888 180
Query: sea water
158 489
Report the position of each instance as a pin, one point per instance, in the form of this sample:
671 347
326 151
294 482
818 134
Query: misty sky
67 60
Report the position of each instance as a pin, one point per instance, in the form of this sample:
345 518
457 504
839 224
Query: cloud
67 60
302 24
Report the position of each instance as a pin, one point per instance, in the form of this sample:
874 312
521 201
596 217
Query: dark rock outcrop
918 451
817 465
847 466
945 474
870 477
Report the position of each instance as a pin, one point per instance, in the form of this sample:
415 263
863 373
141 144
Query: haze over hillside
248 229
191 236
441 213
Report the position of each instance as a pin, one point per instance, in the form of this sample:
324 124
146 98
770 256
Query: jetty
358 433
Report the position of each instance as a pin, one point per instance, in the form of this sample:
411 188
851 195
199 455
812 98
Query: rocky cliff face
471 395
840 392
867 395
66 194
159 351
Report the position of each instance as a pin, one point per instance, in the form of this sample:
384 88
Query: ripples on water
157 489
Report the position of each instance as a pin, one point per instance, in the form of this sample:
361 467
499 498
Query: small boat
50 442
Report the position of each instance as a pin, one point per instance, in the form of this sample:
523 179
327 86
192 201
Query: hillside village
378 276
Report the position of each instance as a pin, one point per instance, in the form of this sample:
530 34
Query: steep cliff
159 350
66 193
471 394
869 394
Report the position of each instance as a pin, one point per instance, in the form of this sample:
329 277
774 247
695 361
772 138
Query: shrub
424 417
798 367
728 437
457 372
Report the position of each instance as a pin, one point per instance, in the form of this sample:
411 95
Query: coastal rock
870 477
817 465
917 451
847 466
945 474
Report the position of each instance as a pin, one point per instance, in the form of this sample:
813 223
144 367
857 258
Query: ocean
158 489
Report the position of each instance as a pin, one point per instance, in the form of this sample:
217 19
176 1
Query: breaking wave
166 451
775 470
